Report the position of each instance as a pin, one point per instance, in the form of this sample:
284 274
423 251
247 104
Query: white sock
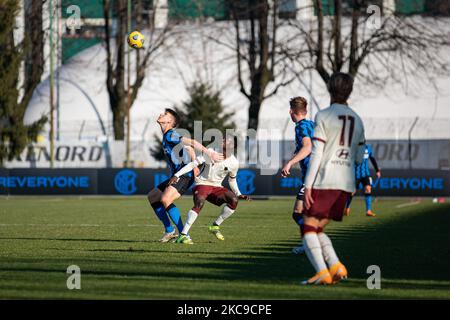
226 213
327 248
314 251
191 217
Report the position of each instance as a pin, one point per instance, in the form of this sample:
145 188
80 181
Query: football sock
368 197
349 201
313 251
327 249
175 216
191 217
162 215
298 218
226 213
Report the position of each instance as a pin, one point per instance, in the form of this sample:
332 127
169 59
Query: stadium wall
390 154
408 183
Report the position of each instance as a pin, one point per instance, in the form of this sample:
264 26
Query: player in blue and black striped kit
362 174
304 132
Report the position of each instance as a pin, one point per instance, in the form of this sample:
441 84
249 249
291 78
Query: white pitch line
408 204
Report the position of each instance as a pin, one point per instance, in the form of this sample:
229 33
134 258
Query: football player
338 144
362 175
178 150
209 188
304 131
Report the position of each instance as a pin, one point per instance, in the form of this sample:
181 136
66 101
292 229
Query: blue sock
174 214
349 201
368 202
298 218
162 215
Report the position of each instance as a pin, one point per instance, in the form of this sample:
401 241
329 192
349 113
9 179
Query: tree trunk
119 108
253 113
338 46
259 83
261 75
115 81
14 134
320 43
34 48
354 42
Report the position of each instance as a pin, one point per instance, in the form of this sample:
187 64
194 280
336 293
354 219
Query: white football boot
169 236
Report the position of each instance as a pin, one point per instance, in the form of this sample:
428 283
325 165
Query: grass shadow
407 247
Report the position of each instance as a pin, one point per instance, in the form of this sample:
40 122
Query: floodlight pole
58 67
127 161
52 106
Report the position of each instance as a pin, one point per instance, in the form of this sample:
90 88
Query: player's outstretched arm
232 181
299 156
187 168
214 156
375 165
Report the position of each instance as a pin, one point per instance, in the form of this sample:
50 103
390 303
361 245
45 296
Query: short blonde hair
299 105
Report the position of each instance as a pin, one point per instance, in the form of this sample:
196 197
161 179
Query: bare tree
15 94
116 81
366 40
257 53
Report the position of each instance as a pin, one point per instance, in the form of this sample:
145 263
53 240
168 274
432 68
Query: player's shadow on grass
409 247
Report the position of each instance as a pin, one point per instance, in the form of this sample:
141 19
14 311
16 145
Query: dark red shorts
328 204
215 195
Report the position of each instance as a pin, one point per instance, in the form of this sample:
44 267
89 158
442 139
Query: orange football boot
370 214
321 277
338 272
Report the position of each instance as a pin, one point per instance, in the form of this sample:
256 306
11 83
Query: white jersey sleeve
190 166
319 128
232 178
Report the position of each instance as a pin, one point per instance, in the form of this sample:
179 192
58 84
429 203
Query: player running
209 188
362 175
304 131
177 149
338 144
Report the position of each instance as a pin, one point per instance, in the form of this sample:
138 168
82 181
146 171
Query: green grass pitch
113 241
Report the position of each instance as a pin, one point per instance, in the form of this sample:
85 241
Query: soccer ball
136 40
